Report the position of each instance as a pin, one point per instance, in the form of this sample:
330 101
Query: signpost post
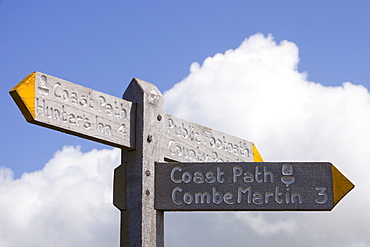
219 171
141 224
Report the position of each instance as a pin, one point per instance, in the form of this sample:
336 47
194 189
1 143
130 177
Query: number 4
121 130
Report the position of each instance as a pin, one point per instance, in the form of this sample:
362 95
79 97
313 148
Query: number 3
322 193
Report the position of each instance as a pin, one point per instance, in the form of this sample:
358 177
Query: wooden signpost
218 171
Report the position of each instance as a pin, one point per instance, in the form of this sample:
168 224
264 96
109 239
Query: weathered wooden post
141 224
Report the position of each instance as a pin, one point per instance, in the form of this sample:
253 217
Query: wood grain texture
73 109
185 141
141 224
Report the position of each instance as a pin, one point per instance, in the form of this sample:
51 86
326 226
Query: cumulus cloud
255 92
67 203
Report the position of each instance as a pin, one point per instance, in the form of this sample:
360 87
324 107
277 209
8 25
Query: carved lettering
197 137
78 109
272 194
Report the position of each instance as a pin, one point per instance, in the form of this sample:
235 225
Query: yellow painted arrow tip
24 96
256 155
341 185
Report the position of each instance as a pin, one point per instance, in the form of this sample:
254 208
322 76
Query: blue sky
104 44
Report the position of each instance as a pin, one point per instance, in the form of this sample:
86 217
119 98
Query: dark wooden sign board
252 186
146 135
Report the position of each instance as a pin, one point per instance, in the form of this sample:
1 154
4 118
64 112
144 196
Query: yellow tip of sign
341 185
24 96
256 155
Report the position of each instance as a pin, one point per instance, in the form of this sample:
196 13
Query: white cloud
255 92
67 203
263 227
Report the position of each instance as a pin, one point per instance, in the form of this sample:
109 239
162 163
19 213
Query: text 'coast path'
61 105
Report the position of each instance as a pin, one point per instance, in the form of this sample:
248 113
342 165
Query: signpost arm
141 224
